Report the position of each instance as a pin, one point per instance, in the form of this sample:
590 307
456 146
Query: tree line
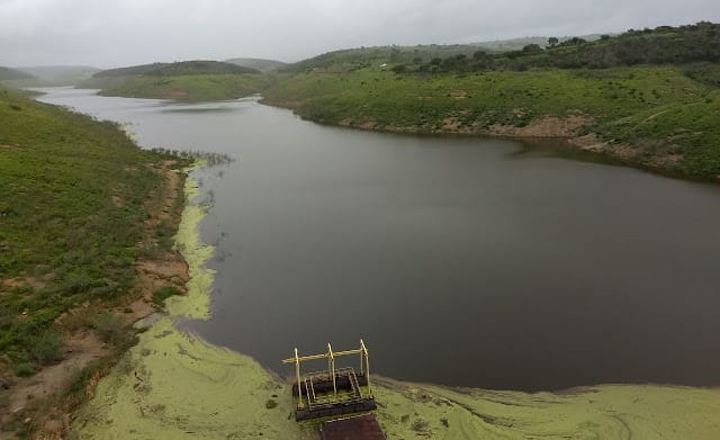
663 45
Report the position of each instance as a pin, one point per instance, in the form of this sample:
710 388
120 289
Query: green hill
260 64
657 117
187 80
188 87
76 194
8 74
177 69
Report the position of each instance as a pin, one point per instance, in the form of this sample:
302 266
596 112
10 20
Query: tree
532 48
480 54
552 41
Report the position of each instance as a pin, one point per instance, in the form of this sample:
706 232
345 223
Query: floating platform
364 427
328 398
335 391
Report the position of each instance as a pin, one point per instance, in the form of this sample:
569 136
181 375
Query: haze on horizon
105 34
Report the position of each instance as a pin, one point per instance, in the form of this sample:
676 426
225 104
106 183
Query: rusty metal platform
364 427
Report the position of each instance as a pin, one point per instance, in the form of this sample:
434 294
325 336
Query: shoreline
565 131
173 383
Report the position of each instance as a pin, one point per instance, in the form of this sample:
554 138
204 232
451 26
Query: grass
182 87
613 100
71 217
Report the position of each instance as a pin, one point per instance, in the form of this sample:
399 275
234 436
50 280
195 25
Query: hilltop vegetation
663 45
663 117
260 64
188 80
357 58
518 43
350 59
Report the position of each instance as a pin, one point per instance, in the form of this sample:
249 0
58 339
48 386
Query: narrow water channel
457 260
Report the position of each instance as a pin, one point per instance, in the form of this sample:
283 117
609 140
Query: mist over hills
261 64
9 74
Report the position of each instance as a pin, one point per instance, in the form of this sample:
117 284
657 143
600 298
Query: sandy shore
175 385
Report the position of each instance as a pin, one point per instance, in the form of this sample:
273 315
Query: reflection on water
457 260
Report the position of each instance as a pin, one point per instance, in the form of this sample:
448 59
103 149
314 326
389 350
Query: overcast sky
111 33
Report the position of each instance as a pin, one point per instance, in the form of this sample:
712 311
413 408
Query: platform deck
365 427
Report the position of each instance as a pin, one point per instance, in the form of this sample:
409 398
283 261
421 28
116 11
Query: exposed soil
625 152
175 94
547 126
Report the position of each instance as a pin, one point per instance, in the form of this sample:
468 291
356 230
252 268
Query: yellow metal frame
330 355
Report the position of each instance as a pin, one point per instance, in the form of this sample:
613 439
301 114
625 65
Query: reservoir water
460 261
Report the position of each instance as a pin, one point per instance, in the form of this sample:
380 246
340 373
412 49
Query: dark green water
458 261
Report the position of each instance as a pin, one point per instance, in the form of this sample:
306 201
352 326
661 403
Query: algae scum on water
175 385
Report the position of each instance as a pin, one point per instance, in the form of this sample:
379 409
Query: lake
460 261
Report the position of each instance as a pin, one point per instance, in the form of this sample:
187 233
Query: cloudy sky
111 33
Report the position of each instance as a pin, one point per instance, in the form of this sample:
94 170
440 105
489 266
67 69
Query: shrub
47 349
111 328
24 369
160 295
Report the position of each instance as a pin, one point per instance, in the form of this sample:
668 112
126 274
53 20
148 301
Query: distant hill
59 75
350 59
8 74
176 69
260 64
186 80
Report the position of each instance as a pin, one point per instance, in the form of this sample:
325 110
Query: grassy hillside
75 198
188 80
187 87
260 64
653 116
8 74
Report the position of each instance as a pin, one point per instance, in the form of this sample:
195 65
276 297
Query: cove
459 261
